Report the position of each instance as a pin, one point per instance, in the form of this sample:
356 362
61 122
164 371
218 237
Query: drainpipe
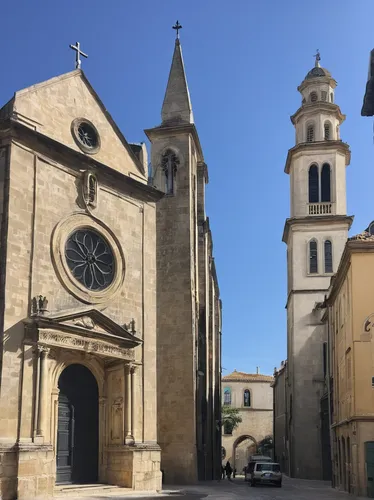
332 450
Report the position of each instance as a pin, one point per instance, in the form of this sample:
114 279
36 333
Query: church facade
315 235
81 299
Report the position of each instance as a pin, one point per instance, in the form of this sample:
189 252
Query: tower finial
177 27
318 58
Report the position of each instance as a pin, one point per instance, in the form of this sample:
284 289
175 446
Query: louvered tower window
310 133
313 97
327 128
328 256
313 184
326 182
313 257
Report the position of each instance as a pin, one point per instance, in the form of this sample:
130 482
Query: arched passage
244 446
78 426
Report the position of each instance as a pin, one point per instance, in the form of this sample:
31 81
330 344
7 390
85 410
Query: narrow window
324 359
326 182
313 257
327 131
227 396
247 398
310 133
372 381
170 164
323 95
313 97
313 184
328 256
331 97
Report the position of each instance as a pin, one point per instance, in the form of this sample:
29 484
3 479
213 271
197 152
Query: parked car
266 473
253 459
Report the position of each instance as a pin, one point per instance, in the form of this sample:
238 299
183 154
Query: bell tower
315 235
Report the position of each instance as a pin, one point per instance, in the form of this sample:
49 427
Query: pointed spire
177 104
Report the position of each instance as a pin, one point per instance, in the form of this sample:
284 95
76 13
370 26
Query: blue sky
244 60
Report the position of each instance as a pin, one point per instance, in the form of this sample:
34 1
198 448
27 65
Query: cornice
304 291
11 129
311 82
316 220
310 147
318 107
169 130
351 247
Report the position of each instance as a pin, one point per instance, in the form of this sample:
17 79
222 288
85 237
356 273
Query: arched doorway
78 426
243 447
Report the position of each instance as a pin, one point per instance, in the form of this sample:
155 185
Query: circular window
90 259
86 136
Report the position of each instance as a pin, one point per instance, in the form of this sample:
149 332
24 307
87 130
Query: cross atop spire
318 58
177 27
78 52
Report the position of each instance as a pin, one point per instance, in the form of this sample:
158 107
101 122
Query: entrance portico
86 427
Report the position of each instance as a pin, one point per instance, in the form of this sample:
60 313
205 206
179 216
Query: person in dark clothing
234 473
222 472
228 470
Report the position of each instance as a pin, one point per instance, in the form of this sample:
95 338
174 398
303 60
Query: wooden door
65 440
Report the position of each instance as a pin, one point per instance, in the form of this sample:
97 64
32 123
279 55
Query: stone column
43 375
129 383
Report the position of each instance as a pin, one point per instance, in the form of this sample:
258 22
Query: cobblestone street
231 490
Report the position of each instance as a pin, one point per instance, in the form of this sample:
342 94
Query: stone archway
78 426
241 450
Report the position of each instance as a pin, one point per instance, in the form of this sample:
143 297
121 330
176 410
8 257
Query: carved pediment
90 324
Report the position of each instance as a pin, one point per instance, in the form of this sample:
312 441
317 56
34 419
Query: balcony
320 208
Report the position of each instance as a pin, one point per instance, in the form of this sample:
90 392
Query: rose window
90 259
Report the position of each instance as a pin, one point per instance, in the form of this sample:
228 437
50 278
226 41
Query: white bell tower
315 234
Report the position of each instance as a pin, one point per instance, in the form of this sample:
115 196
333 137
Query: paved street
232 490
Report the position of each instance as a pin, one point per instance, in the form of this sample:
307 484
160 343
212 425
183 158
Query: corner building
188 298
315 235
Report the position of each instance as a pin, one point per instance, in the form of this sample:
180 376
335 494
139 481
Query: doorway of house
78 426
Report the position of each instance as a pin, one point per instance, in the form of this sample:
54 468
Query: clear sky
244 60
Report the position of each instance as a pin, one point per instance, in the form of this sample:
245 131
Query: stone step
63 490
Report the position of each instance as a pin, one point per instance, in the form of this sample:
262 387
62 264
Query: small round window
90 259
86 135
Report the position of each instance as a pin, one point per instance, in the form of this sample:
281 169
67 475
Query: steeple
177 107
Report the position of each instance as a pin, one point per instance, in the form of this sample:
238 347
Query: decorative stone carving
60 339
85 322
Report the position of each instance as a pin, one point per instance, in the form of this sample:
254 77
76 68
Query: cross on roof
78 53
177 27
318 58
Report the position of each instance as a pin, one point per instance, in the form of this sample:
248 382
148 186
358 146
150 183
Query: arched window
326 182
328 256
227 396
313 184
169 165
313 97
327 128
323 95
331 97
313 257
310 133
247 398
